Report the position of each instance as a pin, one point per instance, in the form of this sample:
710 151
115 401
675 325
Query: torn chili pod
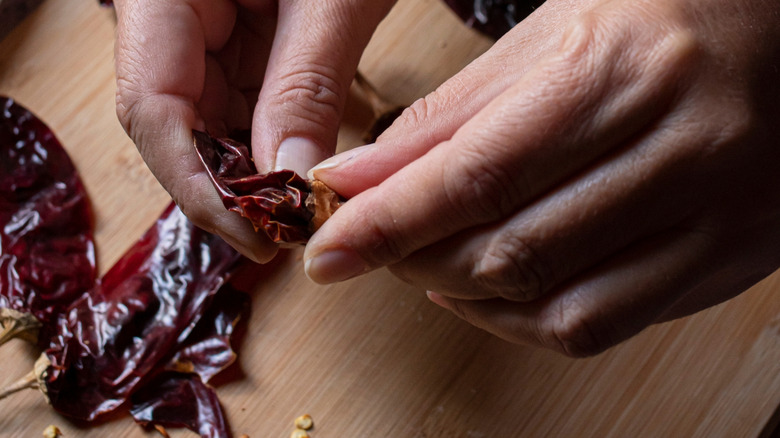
279 203
120 334
493 18
47 251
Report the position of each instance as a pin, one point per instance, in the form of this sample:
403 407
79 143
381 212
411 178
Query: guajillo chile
282 204
47 251
168 278
117 336
150 325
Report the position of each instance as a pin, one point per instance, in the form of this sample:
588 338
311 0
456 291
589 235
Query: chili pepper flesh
47 251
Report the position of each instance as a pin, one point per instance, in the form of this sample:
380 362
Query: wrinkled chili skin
208 350
493 18
122 332
180 396
160 402
47 251
274 202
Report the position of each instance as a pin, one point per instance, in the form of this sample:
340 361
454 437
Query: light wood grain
371 357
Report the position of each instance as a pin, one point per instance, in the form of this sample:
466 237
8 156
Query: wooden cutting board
371 356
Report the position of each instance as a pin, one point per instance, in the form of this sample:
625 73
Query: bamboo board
371 356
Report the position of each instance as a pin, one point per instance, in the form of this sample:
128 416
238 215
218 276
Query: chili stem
15 324
30 381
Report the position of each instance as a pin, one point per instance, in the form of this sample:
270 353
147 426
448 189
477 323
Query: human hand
605 166
282 68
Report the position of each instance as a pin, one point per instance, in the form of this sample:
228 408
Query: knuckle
418 113
510 268
126 104
384 243
575 330
187 194
313 95
479 189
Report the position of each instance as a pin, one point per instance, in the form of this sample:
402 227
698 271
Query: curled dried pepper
280 203
493 18
47 252
117 336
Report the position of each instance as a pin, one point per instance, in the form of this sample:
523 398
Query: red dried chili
117 336
151 324
278 203
47 253
179 400
206 352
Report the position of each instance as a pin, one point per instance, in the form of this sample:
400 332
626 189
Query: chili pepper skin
47 251
120 334
160 403
208 351
275 202
493 18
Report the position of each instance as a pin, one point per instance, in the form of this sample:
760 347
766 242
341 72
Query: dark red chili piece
274 202
179 400
208 351
126 329
493 18
47 252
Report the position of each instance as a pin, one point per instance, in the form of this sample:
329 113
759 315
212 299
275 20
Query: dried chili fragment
275 202
47 251
123 332
493 18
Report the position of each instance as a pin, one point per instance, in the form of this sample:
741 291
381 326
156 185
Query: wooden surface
371 357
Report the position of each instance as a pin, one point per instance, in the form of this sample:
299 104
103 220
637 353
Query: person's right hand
576 184
282 68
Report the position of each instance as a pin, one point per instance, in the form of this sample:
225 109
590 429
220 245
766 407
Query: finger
624 198
160 75
501 160
435 118
313 61
602 307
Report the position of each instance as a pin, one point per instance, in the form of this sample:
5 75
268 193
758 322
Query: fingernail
437 299
337 160
334 265
298 154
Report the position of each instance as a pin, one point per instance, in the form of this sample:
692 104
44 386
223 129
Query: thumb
313 60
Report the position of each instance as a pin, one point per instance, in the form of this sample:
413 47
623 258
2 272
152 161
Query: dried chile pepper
117 336
161 403
151 324
281 203
493 18
206 353
47 252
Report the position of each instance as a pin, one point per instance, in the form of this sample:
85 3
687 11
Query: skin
607 165
200 64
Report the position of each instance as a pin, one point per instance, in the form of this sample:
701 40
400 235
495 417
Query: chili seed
52 431
300 433
304 422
